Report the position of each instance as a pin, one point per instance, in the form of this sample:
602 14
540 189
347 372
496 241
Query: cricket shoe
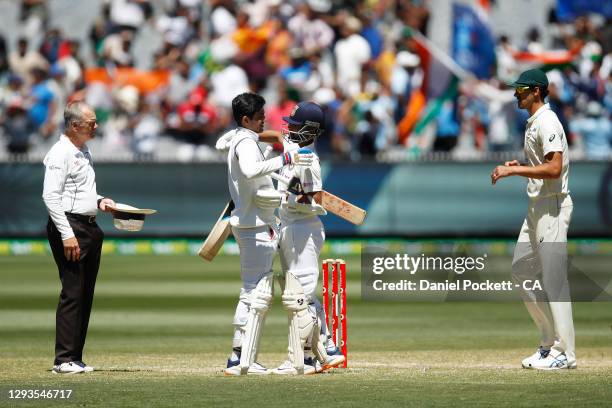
333 351
554 363
233 368
288 369
86 368
333 361
67 368
540 354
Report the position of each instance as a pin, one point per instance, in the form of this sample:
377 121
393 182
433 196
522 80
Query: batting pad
301 321
261 297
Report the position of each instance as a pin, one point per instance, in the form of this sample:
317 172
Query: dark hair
246 104
543 92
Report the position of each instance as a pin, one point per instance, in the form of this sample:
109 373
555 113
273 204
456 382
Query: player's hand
106 203
300 157
72 251
512 163
500 172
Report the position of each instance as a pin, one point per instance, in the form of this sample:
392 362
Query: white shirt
228 83
310 180
124 12
247 173
309 34
544 134
70 184
351 53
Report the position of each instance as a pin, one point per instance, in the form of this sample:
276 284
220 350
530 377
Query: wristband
286 158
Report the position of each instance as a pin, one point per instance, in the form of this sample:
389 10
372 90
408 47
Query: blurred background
418 110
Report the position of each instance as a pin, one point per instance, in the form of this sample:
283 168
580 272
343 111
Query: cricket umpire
541 250
71 199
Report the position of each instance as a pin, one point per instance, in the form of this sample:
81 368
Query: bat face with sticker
330 202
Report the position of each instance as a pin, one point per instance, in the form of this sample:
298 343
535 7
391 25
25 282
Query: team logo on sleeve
552 137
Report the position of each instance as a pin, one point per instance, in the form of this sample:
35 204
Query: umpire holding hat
71 199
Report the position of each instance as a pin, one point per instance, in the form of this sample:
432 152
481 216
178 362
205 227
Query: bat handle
280 178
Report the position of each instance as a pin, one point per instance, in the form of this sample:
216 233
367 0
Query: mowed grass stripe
163 339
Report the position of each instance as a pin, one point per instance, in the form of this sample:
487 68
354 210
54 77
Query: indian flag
440 83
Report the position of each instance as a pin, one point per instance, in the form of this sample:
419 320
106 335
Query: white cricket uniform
255 229
302 235
541 250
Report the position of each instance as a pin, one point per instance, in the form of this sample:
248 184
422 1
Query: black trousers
78 283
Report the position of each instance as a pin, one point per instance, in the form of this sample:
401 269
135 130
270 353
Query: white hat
407 59
128 218
127 98
594 109
320 6
323 96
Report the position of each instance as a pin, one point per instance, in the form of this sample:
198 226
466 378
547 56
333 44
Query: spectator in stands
14 116
117 49
22 61
129 14
42 105
54 46
311 33
34 16
222 17
596 132
352 52
283 107
100 29
4 64
448 129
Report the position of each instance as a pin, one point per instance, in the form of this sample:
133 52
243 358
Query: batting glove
301 157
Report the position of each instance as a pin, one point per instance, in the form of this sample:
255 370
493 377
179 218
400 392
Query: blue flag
568 10
473 42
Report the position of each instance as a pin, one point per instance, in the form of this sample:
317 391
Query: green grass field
161 332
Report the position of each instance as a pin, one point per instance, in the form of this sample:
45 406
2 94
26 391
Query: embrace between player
299 236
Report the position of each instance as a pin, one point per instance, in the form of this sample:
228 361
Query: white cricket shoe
233 368
333 361
540 354
68 368
287 368
554 363
86 368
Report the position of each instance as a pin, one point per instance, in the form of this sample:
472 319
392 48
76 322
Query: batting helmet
309 117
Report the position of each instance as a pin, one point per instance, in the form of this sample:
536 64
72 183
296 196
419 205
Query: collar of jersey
537 113
252 134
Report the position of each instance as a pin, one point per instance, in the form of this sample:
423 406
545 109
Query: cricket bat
330 202
218 234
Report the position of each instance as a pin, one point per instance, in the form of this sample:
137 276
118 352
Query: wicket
338 306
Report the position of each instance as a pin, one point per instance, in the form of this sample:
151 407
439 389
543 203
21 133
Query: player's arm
271 136
248 152
550 169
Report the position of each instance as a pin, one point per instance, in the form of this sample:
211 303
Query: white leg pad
301 321
261 298
318 346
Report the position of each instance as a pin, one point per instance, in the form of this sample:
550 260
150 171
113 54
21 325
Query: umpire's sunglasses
522 89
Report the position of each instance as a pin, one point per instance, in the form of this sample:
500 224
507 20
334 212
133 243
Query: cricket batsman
541 250
301 238
253 224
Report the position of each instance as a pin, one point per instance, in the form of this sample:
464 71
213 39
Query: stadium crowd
358 61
